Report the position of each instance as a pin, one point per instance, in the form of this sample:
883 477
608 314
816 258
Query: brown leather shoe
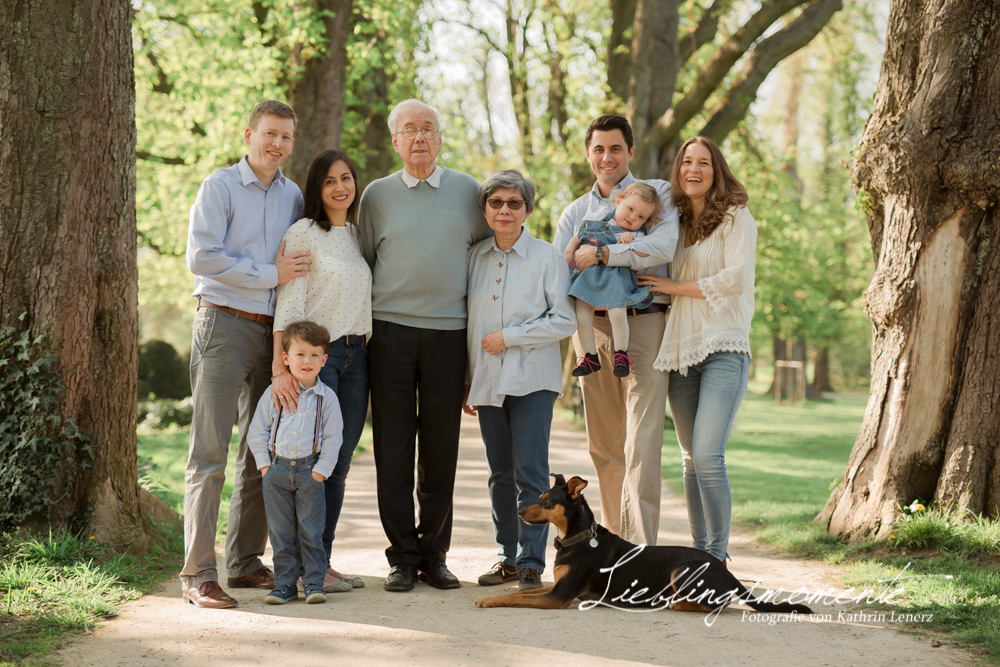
209 594
262 578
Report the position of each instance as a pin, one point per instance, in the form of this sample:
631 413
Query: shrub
162 372
158 414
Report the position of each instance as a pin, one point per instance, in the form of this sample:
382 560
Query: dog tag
593 543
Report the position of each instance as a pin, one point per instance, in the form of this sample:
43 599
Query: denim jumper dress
607 286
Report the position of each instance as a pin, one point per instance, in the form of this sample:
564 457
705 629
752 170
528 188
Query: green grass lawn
163 457
57 585
783 463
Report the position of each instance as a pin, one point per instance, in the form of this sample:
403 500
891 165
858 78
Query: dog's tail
759 605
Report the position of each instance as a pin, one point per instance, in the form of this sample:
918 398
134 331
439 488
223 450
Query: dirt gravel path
369 626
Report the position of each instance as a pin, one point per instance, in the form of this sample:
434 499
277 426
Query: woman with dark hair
706 343
336 293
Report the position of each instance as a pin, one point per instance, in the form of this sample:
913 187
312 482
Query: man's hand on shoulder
291 266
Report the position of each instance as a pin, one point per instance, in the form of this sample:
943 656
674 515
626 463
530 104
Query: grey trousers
230 369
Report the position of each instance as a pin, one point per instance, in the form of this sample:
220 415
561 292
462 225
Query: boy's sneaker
529 579
282 595
586 365
623 365
500 573
315 596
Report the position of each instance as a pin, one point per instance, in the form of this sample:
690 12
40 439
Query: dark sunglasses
512 204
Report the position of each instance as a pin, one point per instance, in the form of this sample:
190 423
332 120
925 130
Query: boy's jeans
296 513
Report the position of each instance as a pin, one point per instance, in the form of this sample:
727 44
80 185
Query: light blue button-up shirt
295 430
523 292
234 235
659 243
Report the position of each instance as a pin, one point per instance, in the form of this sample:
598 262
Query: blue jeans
346 372
296 512
517 451
704 405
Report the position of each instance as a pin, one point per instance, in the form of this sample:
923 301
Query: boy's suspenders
316 431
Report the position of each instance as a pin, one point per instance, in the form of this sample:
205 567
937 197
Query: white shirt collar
434 180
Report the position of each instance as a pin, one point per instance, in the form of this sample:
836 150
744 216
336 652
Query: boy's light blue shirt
295 431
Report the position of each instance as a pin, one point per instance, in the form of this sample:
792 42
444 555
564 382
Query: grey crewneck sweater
417 242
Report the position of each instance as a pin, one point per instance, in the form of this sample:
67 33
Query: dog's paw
483 603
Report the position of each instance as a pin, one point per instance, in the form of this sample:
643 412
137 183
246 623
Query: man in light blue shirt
237 222
624 416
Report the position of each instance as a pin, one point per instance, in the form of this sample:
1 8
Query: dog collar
580 537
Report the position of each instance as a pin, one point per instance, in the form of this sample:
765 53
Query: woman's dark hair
726 192
313 195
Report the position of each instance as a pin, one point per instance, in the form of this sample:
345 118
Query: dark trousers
417 379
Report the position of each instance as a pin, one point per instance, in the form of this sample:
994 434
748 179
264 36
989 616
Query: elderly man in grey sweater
416 227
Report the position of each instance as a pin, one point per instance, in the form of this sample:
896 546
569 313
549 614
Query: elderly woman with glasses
519 310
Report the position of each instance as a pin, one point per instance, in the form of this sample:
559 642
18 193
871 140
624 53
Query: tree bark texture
318 95
67 230
927 172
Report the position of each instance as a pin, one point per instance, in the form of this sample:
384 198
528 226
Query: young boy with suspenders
296 452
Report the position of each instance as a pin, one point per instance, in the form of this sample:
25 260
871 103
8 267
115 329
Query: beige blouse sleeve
739 257
291 304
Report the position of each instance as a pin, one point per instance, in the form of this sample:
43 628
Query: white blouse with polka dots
337 291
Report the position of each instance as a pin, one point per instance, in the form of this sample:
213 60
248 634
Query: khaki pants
624 418
230 369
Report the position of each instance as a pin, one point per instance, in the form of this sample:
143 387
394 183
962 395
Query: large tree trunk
67 230
927 170
318 94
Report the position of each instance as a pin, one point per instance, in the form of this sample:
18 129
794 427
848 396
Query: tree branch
690 41
482 31
145 240
765 57
669 126
149 157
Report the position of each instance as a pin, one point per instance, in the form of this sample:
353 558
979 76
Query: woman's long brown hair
726 192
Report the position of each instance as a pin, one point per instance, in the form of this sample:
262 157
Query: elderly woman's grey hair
412 105
508 179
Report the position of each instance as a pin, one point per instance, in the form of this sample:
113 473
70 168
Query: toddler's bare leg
585 326
619 327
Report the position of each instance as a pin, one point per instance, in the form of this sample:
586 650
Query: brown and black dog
598 567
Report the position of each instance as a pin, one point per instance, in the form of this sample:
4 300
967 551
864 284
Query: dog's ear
557 479
575 486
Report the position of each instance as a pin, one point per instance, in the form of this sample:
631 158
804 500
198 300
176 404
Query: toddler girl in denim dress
611 287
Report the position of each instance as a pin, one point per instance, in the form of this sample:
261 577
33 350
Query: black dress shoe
401 577
436 574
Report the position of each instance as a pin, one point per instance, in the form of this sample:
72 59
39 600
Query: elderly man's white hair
411 105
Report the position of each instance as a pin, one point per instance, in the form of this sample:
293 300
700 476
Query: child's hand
569 259
626 237
263 471
318 477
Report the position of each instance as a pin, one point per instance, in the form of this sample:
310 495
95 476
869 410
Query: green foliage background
200 67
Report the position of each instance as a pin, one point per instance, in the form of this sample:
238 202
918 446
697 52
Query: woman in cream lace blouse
706 343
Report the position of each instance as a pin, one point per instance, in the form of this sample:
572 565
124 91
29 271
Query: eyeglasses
512 204
411 133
